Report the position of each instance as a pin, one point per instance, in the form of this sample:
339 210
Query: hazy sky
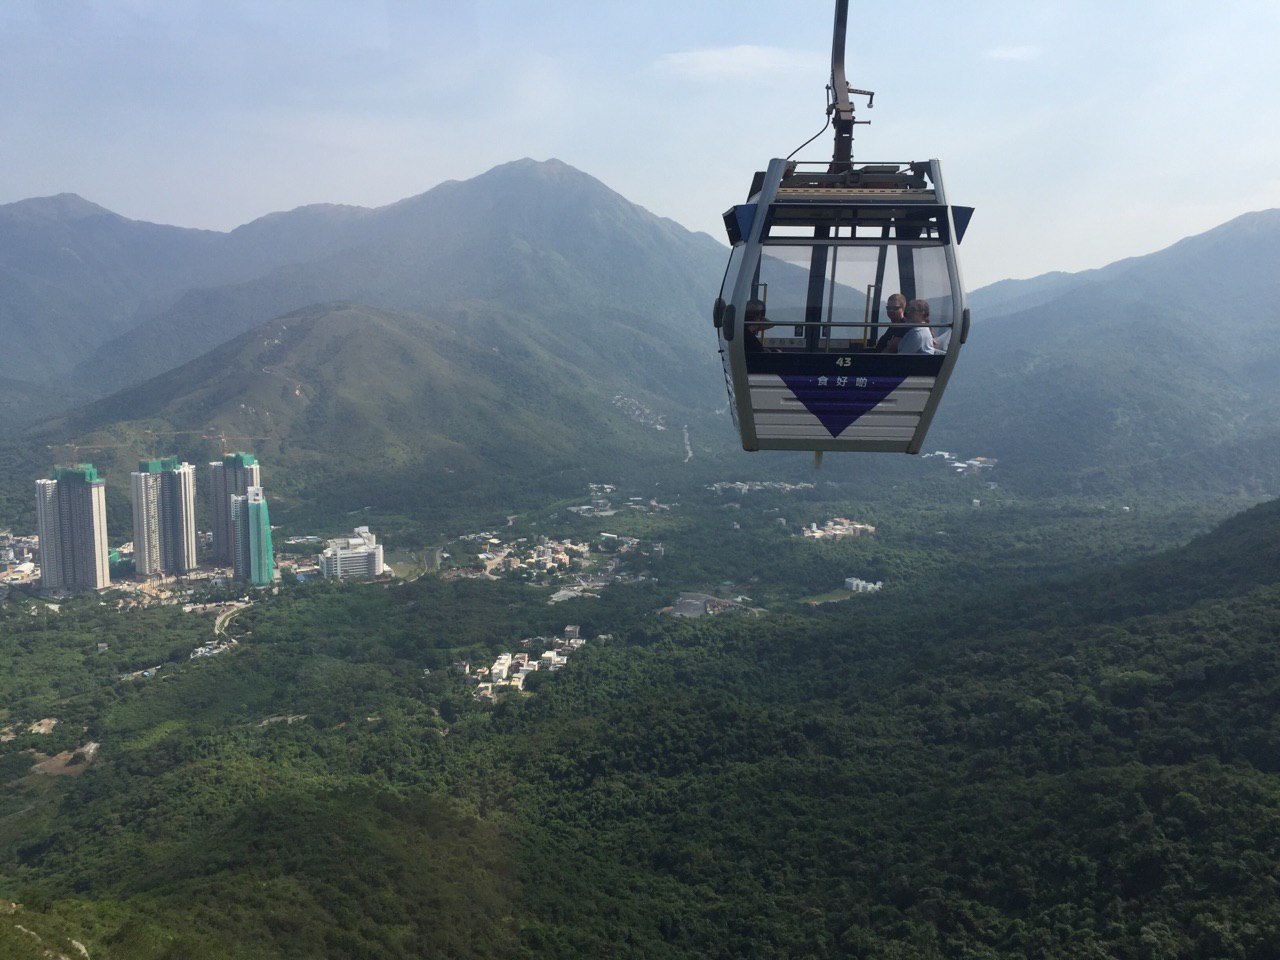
1083 131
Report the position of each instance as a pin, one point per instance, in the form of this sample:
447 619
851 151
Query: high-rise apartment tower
252 556
71 520
164 517
232 476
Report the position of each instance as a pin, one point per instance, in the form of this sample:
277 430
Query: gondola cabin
807 345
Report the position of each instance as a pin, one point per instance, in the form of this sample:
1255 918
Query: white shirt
918 340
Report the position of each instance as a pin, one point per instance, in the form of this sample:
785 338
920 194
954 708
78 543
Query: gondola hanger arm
840 107
869 94
871 99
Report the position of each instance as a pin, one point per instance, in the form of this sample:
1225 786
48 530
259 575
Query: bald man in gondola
918 338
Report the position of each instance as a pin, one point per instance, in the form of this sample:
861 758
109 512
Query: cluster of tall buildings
71 516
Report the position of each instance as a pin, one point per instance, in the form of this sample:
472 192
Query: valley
917 706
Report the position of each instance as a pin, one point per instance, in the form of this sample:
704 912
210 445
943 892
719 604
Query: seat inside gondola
825 273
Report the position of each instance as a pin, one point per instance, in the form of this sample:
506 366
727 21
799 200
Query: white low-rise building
501 667
550 660
857 585
359 555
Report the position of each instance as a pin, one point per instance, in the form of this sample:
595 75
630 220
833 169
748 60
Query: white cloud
1024 53
736 63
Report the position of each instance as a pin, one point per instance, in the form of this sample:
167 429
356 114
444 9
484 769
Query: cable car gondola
817 250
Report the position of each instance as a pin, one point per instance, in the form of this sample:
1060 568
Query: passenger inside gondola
754 326
918 338
895 308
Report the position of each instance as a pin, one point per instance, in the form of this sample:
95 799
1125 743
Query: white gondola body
820 254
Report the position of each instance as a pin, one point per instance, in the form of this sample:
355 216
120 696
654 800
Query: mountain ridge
540 233
1008 296
1121 375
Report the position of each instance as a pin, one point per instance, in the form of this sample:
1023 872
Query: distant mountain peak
1247 224
550 169
64 207
324 208
515 181
309 214
550 166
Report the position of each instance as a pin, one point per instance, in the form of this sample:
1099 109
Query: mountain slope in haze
543 239
1011 296
75 275
1217 273
1133 374
23 403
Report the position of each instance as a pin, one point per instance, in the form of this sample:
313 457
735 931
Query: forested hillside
1060 766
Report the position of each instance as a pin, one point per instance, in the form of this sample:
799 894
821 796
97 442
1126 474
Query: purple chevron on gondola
837 401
